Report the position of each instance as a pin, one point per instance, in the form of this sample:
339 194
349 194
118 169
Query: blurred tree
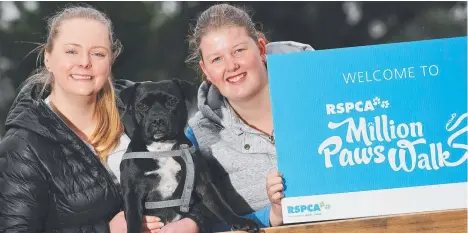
154 34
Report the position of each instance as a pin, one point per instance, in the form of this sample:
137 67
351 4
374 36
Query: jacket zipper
107 175
272 139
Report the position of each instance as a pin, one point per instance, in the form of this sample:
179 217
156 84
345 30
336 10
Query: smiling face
234 62
80 58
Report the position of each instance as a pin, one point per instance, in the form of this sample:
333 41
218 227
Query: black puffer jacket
50 180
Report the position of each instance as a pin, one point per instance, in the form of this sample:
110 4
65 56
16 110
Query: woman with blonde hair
61 127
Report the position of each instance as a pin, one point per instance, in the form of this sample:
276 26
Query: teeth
82 77
237 78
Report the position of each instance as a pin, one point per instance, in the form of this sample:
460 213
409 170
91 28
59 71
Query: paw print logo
385 104
376 101
327 206
322 204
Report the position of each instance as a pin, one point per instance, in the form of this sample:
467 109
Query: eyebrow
241 43
216 53
96 46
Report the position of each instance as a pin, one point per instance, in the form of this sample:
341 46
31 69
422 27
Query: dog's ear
120 84
126 95
127 99
190 92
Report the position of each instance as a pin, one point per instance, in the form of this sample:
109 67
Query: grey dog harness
186 154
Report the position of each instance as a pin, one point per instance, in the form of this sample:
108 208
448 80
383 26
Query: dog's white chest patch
168 169
160 146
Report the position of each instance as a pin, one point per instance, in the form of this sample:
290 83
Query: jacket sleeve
261 216
23 188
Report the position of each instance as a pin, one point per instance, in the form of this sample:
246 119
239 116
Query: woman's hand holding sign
275 188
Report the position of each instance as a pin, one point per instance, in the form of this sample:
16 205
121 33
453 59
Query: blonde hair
107 134
215 17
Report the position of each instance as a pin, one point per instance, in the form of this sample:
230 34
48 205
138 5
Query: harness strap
162 204
189 180
155 155
186 154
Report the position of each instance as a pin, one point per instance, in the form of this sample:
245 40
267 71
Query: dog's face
159 109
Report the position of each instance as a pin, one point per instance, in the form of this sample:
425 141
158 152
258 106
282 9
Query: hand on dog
185 225
118 223
274 187
150 224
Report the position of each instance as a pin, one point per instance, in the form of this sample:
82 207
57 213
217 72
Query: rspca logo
359 106
308 209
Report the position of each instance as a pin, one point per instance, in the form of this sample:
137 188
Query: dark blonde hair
106 136
215 17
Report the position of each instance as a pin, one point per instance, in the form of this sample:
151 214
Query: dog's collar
186 154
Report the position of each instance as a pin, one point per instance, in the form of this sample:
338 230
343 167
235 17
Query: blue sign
371 117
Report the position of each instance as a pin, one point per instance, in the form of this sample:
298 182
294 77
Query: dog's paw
246 225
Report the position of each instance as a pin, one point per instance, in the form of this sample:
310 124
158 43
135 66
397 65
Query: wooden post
450 221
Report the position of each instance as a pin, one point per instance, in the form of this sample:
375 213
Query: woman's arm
23 188
261 216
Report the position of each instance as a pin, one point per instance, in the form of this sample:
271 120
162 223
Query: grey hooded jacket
240 156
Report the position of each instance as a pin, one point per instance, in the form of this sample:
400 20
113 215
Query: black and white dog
156 115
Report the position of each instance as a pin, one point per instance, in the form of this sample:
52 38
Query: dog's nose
159 121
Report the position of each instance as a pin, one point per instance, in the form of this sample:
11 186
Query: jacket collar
30 112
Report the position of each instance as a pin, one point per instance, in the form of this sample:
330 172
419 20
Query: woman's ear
46 60
262 48
203 68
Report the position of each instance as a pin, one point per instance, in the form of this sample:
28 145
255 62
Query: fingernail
161 224
157 219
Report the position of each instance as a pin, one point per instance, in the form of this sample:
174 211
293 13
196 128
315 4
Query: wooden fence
453 221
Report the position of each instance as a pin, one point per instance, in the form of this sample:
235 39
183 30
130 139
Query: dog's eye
142 107
171 102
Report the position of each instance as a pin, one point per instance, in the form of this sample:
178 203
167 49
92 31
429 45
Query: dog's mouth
160 128
159 136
